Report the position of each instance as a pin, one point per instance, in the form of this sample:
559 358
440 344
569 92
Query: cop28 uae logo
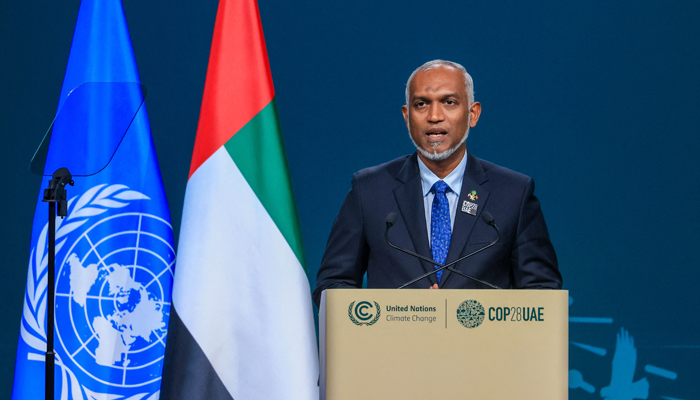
470 313
364 313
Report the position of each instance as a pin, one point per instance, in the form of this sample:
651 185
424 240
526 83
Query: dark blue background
598 101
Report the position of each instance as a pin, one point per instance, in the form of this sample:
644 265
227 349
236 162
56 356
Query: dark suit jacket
523 258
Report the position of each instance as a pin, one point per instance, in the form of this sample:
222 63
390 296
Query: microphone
390 219
485 216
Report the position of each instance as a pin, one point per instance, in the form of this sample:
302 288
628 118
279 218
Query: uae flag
241 326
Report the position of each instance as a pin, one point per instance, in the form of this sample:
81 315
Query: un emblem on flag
114 276
113 299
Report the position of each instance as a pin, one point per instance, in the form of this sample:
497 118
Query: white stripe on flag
241 291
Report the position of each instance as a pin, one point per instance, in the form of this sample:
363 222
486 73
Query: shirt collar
453 180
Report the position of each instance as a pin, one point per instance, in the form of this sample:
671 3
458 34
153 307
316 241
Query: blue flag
114 250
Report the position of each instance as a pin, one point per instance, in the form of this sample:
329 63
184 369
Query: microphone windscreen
391 219
487 217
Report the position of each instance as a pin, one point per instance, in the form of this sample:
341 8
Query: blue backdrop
596 100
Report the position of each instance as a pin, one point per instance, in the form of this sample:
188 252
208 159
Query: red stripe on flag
238 83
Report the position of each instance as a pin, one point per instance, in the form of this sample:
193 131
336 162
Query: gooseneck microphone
485 216
488 218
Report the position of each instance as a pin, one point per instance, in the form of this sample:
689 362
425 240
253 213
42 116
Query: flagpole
55 195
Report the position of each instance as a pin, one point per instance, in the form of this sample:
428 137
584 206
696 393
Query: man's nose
436 114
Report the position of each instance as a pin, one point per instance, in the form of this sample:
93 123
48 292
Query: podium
443 344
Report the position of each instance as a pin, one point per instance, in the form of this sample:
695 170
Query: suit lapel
474 177
409 197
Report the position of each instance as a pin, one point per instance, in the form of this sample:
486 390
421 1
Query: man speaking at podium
438 195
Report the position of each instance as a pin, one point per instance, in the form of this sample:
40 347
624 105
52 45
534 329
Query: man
438 195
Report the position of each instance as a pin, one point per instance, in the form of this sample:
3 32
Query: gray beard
435 156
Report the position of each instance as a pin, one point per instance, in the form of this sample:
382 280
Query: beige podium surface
444 344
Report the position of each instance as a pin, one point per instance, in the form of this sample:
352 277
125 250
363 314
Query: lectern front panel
444 344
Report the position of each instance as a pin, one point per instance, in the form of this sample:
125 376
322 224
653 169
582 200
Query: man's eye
450 102
420 104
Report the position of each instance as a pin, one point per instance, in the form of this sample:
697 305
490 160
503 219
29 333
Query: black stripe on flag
187 372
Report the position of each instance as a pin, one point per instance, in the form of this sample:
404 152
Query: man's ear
404 110
474 113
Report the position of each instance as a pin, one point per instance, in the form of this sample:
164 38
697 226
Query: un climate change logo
470 313
364 313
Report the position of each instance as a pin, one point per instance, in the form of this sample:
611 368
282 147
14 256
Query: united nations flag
114 249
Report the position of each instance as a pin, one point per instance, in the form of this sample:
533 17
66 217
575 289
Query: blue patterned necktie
440 229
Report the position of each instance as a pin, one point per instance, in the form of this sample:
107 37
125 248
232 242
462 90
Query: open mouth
436 135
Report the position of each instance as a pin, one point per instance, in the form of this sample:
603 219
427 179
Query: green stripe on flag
258 151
